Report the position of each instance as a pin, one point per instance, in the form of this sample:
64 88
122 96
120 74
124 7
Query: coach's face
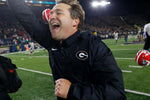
61 24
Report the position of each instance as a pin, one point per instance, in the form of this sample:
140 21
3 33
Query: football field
38 83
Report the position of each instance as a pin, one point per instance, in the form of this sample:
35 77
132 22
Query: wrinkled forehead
61 6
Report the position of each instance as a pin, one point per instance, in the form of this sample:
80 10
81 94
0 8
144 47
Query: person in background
147 32
116 36
126 37
83 67
31 48
144 36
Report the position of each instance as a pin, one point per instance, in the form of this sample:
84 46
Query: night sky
118 7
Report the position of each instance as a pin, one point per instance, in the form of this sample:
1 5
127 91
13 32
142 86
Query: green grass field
37 86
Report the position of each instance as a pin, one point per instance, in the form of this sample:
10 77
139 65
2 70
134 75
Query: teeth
55 24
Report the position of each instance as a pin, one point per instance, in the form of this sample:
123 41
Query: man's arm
38 30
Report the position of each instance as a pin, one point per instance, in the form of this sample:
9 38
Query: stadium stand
13 34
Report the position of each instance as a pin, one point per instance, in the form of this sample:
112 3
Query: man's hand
62 87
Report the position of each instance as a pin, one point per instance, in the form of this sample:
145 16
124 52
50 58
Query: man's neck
68 36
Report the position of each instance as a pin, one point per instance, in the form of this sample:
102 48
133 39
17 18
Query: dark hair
76 11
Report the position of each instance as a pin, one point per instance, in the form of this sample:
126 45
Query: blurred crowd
12 33
105 26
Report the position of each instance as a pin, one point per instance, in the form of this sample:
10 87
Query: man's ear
76 22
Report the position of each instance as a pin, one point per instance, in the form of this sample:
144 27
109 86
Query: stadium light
101 3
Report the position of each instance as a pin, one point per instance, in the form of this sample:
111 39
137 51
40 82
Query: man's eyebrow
59 10
56 10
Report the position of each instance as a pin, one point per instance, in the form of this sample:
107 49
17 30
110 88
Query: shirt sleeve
38 31
106 78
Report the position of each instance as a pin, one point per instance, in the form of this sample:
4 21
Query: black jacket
82 58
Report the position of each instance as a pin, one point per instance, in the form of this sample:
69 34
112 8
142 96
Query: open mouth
55 26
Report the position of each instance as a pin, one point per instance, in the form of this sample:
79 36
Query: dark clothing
82 58
126 37
4 95
147 43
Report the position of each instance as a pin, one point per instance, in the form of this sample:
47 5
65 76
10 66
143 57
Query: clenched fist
62 87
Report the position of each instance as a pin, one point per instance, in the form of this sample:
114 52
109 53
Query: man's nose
53 16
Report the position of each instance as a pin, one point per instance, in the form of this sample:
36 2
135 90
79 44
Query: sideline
35 71
126 90
135 66
125 58
126 71
51 74
137 92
